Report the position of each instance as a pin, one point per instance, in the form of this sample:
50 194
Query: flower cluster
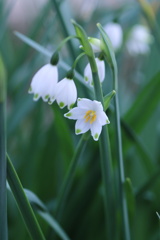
88 113
45 85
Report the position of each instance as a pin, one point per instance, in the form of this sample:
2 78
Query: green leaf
43 212
83 38
108 98
3 195
107 47
144 105
130 197
2 81
23 203
132 138
33 44
158 215
53 224
149 182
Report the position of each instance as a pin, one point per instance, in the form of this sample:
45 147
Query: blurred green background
41 141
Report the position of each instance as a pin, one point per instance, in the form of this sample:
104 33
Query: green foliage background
41 141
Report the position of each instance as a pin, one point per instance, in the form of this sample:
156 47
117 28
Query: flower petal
88 74
97 106
66 93
81 126
75 113
44 81
72 94
85 103
102 118
96 129
101 69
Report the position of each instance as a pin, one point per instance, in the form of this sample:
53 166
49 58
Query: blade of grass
69 177
150 181
65 29
23 203
41 209
53 223
146 159
122 195
3 194
146 102
66 186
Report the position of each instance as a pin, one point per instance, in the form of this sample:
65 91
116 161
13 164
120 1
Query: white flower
90 116
66 93
139 40
44 82
101 71
115 34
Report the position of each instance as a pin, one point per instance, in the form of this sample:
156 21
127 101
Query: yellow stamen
90 116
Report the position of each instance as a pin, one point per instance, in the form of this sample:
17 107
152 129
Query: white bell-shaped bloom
44 83
66 93
101 71
139 40
90 116
115 34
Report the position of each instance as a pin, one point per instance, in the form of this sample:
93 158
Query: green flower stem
64 27
120 160
77 59
106 165
69 177
63 42
23 203
3 194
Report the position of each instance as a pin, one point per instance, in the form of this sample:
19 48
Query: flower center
90 116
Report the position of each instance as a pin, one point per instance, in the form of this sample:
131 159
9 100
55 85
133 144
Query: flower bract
95 44
115 34
139 40
101 71
66 93
44 83
90 116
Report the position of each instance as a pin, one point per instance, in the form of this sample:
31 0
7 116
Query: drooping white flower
90 116
101 71
139 40
66 93
44 82
115 34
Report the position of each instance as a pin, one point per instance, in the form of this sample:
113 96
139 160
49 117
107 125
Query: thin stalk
64 192
106 163
64 41
64 27
3 193
77 59
120 161
23 203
